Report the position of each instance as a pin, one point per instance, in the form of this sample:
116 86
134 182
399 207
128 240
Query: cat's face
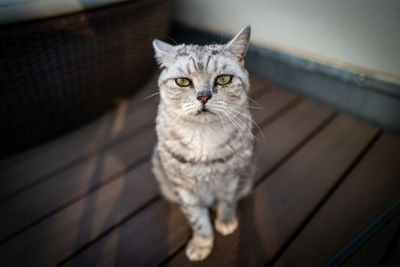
204 83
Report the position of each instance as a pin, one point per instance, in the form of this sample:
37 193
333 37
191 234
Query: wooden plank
144 240
290 130
258 87
39 201
370 188
285 199
373 251
62 246
394 256
49 242
294 130
280 99
55 156
88 130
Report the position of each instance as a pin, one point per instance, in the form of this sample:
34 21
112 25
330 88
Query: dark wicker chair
58 73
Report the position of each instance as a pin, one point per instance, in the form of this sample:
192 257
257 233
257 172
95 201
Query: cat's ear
239 44
164 52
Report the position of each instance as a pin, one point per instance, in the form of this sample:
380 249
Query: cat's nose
204 97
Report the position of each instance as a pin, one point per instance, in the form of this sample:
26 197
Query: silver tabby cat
204 153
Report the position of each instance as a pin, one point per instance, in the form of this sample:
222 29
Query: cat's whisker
186 105
246 127
255 102
237 127
238 121
172 39
224 108
216 131
247 117
187 108
218 109
222 120
152 95
241 105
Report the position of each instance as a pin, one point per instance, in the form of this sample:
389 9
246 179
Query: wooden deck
89 198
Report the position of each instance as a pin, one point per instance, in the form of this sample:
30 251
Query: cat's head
204 83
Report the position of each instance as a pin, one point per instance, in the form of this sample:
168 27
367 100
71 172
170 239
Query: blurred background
78 100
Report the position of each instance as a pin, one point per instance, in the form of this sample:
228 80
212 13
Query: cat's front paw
199 248
226 228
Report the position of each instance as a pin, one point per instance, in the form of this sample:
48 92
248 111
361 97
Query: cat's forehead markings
200 66
200 58
188 69
215 65
208 61
194 63
182 52
180 69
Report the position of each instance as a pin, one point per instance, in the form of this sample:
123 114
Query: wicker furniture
58 73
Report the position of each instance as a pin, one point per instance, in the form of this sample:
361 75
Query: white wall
360 35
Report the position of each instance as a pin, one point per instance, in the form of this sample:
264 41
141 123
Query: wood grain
145 240
138 98
370 188
373 251
394 256
42 200
62 153
61 234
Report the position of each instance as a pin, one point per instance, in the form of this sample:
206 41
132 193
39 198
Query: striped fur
202 157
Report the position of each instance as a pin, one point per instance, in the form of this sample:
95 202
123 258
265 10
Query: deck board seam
260 93
175 253
81 196
31 154
364 236
301 144
125 219
389 250
325 198
76 161
297 100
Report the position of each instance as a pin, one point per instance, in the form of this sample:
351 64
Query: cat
204 154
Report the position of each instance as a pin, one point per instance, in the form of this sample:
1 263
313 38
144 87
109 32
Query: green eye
223 79
183 82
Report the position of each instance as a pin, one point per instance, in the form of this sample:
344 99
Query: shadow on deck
89 198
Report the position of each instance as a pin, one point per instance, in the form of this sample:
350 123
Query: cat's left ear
239 44
164 52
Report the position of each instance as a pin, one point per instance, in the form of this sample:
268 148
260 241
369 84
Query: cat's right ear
239 44
164 52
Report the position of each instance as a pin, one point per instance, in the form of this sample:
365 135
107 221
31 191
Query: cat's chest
201 142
